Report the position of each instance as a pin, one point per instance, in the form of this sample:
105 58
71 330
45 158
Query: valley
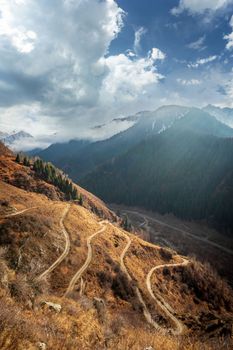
186 237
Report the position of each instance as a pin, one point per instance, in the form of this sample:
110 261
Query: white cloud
157 54
127 78
229 37
198 44
202 61
137 38
20 37
190 82
199 6
66 77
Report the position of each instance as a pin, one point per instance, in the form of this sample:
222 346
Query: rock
98 302
52 306
42 346
149 348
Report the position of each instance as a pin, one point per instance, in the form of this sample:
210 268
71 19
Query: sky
67 66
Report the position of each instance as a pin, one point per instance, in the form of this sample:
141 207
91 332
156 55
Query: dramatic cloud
229 37
55 56
199 6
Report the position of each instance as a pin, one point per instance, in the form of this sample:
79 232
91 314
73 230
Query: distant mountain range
79 157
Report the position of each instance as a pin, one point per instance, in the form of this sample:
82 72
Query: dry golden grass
82 323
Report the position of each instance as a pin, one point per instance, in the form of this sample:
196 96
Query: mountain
224 115
71 280
186 170
3 134
78 158
13 140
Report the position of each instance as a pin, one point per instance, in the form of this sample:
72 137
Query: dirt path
205 240
18 212
87 262
66 250
161 302
146 312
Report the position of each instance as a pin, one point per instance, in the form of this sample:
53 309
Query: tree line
52 175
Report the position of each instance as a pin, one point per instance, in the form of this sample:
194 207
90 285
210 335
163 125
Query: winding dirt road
18 212
87 262
205 240
161 302
146 312
66 249
159 299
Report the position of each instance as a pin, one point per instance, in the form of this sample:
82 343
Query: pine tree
25 161
80 199
17 159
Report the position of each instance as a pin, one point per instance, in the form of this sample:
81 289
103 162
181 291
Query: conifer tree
80 199
17 159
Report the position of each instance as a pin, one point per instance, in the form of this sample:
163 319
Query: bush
36 225
122 287
207 285
165 254
21 290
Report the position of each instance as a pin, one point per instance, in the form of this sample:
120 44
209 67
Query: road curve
146 312
18 212
216 245
66 250
88 259
161 302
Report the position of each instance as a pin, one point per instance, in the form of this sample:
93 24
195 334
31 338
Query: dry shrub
140 340
122 287
37 225
21 290
4 203
165 254
207 285
14 327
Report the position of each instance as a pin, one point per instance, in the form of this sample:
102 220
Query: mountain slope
181 171
77 162
116 301
224 115
78 158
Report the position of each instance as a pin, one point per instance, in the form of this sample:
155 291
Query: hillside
183 170
70 280
25 178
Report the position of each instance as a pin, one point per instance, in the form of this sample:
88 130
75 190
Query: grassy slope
36 241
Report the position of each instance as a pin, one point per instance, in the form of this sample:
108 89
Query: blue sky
68 65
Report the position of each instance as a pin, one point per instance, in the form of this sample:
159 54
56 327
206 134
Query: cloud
199 6
202 61
157 54
190 82
127 78
137 39
56 72
198 44
229 37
